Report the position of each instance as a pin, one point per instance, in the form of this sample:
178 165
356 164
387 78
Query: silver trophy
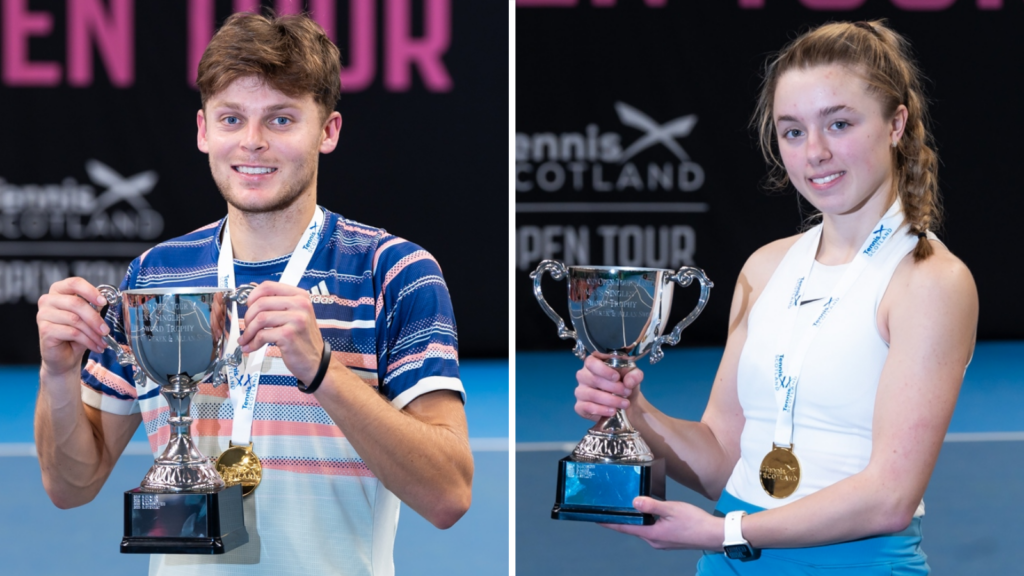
619 314
176 339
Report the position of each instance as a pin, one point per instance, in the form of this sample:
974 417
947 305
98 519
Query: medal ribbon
244 380
787 367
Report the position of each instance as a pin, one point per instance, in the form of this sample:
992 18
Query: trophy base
185 523
603 492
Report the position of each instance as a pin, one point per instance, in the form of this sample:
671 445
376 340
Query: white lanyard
244 380
786 367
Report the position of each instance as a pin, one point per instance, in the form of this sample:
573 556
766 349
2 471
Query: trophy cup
176 338
618 314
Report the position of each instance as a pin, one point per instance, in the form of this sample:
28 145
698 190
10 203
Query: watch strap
325 362
733 531
735 546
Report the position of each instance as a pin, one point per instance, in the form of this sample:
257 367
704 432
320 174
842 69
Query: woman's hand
602 389
680 526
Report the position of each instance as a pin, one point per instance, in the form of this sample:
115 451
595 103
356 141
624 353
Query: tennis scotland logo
879 238
794 300
783 382
595 160
74 211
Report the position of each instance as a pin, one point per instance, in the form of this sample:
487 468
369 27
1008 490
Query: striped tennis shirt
382 304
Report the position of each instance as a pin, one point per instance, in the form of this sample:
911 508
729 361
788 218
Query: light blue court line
485 381
990 406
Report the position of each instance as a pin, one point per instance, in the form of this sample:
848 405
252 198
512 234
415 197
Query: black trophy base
603 492
207 523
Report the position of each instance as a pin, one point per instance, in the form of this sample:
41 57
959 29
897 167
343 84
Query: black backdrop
605 91
110 81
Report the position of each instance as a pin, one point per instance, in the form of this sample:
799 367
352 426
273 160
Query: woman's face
834 141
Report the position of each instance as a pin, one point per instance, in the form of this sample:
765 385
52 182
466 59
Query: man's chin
248 204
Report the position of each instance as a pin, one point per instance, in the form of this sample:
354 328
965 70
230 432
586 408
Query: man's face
264 145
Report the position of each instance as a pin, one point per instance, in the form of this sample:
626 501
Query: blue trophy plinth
604 492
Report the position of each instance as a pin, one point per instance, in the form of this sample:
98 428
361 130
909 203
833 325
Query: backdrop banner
98 160
633 145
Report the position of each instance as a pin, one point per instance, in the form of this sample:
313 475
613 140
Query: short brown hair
291 54
883 58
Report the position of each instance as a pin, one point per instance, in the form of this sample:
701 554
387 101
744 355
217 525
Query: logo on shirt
825 310
319 290
880 236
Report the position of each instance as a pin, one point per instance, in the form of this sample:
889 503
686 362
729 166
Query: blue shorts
892 554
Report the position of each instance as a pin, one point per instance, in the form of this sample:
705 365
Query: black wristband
325 362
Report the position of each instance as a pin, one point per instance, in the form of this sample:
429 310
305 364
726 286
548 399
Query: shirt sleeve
106 385
416 336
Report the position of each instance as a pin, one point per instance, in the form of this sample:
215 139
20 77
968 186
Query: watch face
739 551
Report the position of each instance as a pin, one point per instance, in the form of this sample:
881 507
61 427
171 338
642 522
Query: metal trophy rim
174 291
620 268
613 439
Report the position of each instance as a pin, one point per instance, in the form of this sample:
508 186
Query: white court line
950 437
142 448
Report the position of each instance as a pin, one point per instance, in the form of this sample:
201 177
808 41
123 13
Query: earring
894 143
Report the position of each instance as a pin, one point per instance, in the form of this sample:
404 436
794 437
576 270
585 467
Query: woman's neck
842 235
267 235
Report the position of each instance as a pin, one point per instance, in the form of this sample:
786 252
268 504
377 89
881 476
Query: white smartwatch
735 546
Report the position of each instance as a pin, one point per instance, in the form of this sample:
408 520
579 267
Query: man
385 423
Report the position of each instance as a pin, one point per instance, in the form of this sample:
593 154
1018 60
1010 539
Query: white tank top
835 399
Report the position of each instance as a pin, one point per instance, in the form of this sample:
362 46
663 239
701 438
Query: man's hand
68 325
283 315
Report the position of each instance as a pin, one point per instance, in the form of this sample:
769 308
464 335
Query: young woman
847 343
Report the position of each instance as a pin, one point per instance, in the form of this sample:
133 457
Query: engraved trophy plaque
619 315
176 338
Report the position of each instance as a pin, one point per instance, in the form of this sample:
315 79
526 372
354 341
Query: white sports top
835 400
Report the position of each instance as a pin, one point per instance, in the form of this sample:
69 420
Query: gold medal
780 472
240 465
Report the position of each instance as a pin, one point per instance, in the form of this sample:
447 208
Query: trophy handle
558 272
684 277
124 357
239 295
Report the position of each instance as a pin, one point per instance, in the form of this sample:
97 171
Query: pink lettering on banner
826 5
113 34
289 7
324 12
247 6
361 64
201 14
923 5
425 52
751 4
200 30
990 4
18 26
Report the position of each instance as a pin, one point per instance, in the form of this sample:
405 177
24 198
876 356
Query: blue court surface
38 539
973 503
